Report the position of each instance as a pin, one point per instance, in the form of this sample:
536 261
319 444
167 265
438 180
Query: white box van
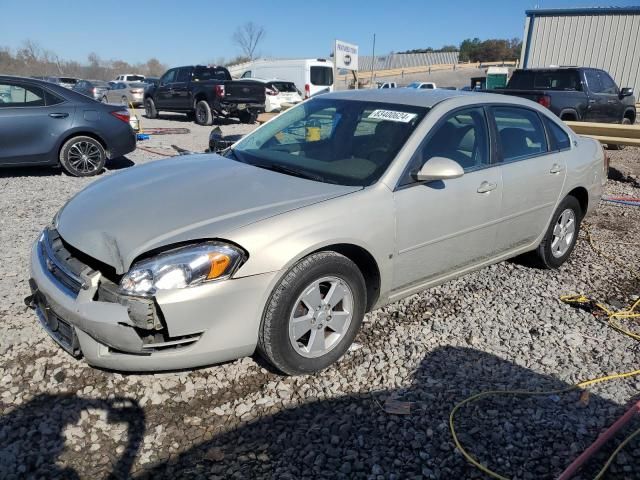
311 76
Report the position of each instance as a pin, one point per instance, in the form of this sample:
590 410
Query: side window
247 74
21 96
608 85
462 137
593 81
168 77
520 132
183 75
51 99
558 139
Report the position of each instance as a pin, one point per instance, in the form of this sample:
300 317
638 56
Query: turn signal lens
219 264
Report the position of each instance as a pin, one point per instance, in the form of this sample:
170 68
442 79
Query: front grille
60 263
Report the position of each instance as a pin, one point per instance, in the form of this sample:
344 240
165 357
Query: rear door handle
58 115
556 169
486 187
612 101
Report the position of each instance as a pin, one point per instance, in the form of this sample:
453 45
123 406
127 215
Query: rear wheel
562 234
150 108
82 156
203 113
313 314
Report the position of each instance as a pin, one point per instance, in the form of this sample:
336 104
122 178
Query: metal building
607 38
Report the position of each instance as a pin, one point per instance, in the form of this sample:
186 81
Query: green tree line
476 50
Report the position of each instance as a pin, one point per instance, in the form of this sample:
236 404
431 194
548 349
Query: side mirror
438 168
626 92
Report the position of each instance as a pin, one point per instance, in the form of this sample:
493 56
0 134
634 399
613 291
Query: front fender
365 219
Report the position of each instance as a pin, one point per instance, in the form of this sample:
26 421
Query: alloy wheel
563 233
321 316
84 156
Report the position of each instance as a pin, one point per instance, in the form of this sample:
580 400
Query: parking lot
502 327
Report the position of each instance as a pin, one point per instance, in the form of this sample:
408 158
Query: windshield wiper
276 167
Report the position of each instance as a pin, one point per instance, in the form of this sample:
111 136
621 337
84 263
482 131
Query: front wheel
82 156
313 314
562 234
150 110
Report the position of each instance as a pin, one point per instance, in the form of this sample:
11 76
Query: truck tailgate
239 91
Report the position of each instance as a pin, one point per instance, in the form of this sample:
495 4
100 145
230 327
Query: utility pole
373 58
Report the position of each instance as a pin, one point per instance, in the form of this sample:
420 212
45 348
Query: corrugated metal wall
405 60
609 41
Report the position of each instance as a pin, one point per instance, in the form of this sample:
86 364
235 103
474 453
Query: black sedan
45 124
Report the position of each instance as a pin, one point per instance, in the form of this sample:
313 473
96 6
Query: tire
82 156
552 254
625 121
277 337
150 108
246 116
203 113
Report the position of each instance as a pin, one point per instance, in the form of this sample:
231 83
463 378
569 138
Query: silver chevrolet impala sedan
280 245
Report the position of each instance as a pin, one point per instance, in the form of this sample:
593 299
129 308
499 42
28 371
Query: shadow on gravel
32 436
119 163
353 437
54 171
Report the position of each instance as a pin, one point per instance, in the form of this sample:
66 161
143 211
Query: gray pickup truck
204 93
575 93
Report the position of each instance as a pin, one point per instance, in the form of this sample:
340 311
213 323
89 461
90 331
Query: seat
514 143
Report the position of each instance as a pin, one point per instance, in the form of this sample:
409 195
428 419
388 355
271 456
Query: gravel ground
501 327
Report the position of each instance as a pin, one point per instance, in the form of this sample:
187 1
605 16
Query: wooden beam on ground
609 133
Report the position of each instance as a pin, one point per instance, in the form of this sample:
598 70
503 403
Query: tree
492 50
247 37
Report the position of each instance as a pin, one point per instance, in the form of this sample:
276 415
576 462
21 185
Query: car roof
423 98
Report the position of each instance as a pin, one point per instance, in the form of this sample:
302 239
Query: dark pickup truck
204 93
574 93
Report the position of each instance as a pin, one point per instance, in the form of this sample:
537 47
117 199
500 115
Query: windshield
545 80
335 141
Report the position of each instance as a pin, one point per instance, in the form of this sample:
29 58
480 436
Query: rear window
210 73
70 80
286 87
135 78
322 76
545 80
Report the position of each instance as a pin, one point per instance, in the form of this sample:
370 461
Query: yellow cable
570 299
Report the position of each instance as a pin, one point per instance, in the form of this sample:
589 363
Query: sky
199 31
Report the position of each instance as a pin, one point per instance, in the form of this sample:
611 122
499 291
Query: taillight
307 90
94 90
270 91
545 101
122 115
219 89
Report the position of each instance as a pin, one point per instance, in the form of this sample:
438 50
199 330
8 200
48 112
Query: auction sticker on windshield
392 115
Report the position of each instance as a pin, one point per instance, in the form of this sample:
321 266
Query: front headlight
182 267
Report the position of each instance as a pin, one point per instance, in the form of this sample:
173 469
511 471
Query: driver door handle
486 187
58 115
556 169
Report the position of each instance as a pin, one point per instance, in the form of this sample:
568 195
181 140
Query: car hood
193 197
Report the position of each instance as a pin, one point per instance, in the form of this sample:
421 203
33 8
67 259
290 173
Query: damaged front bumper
86 315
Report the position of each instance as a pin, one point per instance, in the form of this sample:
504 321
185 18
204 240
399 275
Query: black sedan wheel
82 157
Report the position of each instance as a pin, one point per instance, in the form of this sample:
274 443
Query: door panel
532 177
445 226
164 92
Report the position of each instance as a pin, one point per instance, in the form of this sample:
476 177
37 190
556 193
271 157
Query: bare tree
247 37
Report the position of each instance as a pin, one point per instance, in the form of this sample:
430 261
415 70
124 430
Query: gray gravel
502 327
